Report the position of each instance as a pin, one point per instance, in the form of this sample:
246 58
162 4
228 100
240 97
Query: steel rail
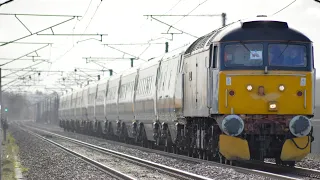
176 156
112 172
180 174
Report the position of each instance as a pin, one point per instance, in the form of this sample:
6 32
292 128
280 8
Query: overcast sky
124 22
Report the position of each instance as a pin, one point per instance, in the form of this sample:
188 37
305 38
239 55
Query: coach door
161 90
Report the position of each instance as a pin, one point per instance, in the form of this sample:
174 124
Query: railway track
108 170
243 167
295 173
300 171
172 172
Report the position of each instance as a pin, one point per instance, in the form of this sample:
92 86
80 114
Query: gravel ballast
128 168
203 169
46 161
312 161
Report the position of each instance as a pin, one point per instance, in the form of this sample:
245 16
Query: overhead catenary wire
55 15
74 27
180 47
190 12
148 43
24 55
284 8
144 50
174 27
60 57
92 17
23 68
37 32
85 13
91 21
136 57
173 7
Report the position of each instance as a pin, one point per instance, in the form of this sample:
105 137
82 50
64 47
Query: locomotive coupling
232 125
300 126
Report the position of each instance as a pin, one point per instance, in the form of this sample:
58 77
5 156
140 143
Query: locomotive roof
256 29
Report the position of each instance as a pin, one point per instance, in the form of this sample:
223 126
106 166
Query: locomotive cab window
214 57
287 55
241 54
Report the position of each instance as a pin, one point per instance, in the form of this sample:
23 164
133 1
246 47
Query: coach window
110 94
151 83
114 93
160 79
164 80
170 76
139 88
130 87
124 91
147 85
121 92
142 86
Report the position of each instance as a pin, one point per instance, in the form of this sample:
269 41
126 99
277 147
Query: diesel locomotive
245 91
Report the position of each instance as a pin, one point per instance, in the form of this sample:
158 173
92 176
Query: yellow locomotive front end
278 92
266 96
267 104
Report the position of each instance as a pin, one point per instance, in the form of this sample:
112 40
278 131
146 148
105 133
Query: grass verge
9 162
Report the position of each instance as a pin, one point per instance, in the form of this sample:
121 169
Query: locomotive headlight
249 87
300 126
281 87
232 125
273 106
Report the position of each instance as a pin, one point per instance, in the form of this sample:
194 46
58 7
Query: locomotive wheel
222 159
143 137
190 152
168 146
200 153
151 144
290 163
195 153
92 131
285 163
144 143
174 149
99 130
204 155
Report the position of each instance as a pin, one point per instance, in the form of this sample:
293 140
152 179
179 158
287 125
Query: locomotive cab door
213 79
190 86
